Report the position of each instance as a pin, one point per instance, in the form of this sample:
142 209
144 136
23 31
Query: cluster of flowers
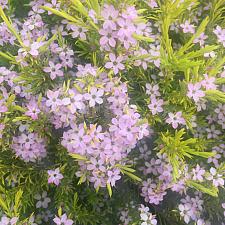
92 111
7 221
197 91
154 189
120 29
29 147
103 146
191 208
146 217
141 215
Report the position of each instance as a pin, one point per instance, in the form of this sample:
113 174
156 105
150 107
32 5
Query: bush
112 112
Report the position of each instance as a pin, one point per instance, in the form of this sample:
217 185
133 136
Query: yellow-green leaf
109 189
77 156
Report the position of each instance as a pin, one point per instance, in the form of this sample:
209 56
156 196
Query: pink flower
86 70
127 28
156 106
113 176
216 178
32 48
110 14
54 176
108 38
209 83
130 13
152 3
223 205
53 99
78 32
175 119
115 63
152 90
75 101
54 70
63 220
188 28
4 4
212 132
220 33
33 110
54 4
92 14
29 147
95 96
198 172
195 92
7 221
201 39
3 108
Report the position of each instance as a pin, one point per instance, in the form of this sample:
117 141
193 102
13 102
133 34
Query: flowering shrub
112 112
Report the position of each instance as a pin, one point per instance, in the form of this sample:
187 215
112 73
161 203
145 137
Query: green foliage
177 149
208 189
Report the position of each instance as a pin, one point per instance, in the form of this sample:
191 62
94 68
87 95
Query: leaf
3 204
94 4
109 189
215 95
39 99
220 81
79 7
77 156
131 175
125 168
82 179
217 67
19 108
10 100
7 56
21 118
143 38
201 51
75 200
60 13
60 211
201 154
18 197
213 191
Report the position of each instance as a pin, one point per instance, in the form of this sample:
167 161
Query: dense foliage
112 112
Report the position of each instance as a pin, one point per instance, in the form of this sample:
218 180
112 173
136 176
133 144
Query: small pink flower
156 106
175 119
54 70
188 28
95 96
54 176
115 63
110 14
209 83
201 39
152 3
195 92
33 110
78 32
108 38
63 220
